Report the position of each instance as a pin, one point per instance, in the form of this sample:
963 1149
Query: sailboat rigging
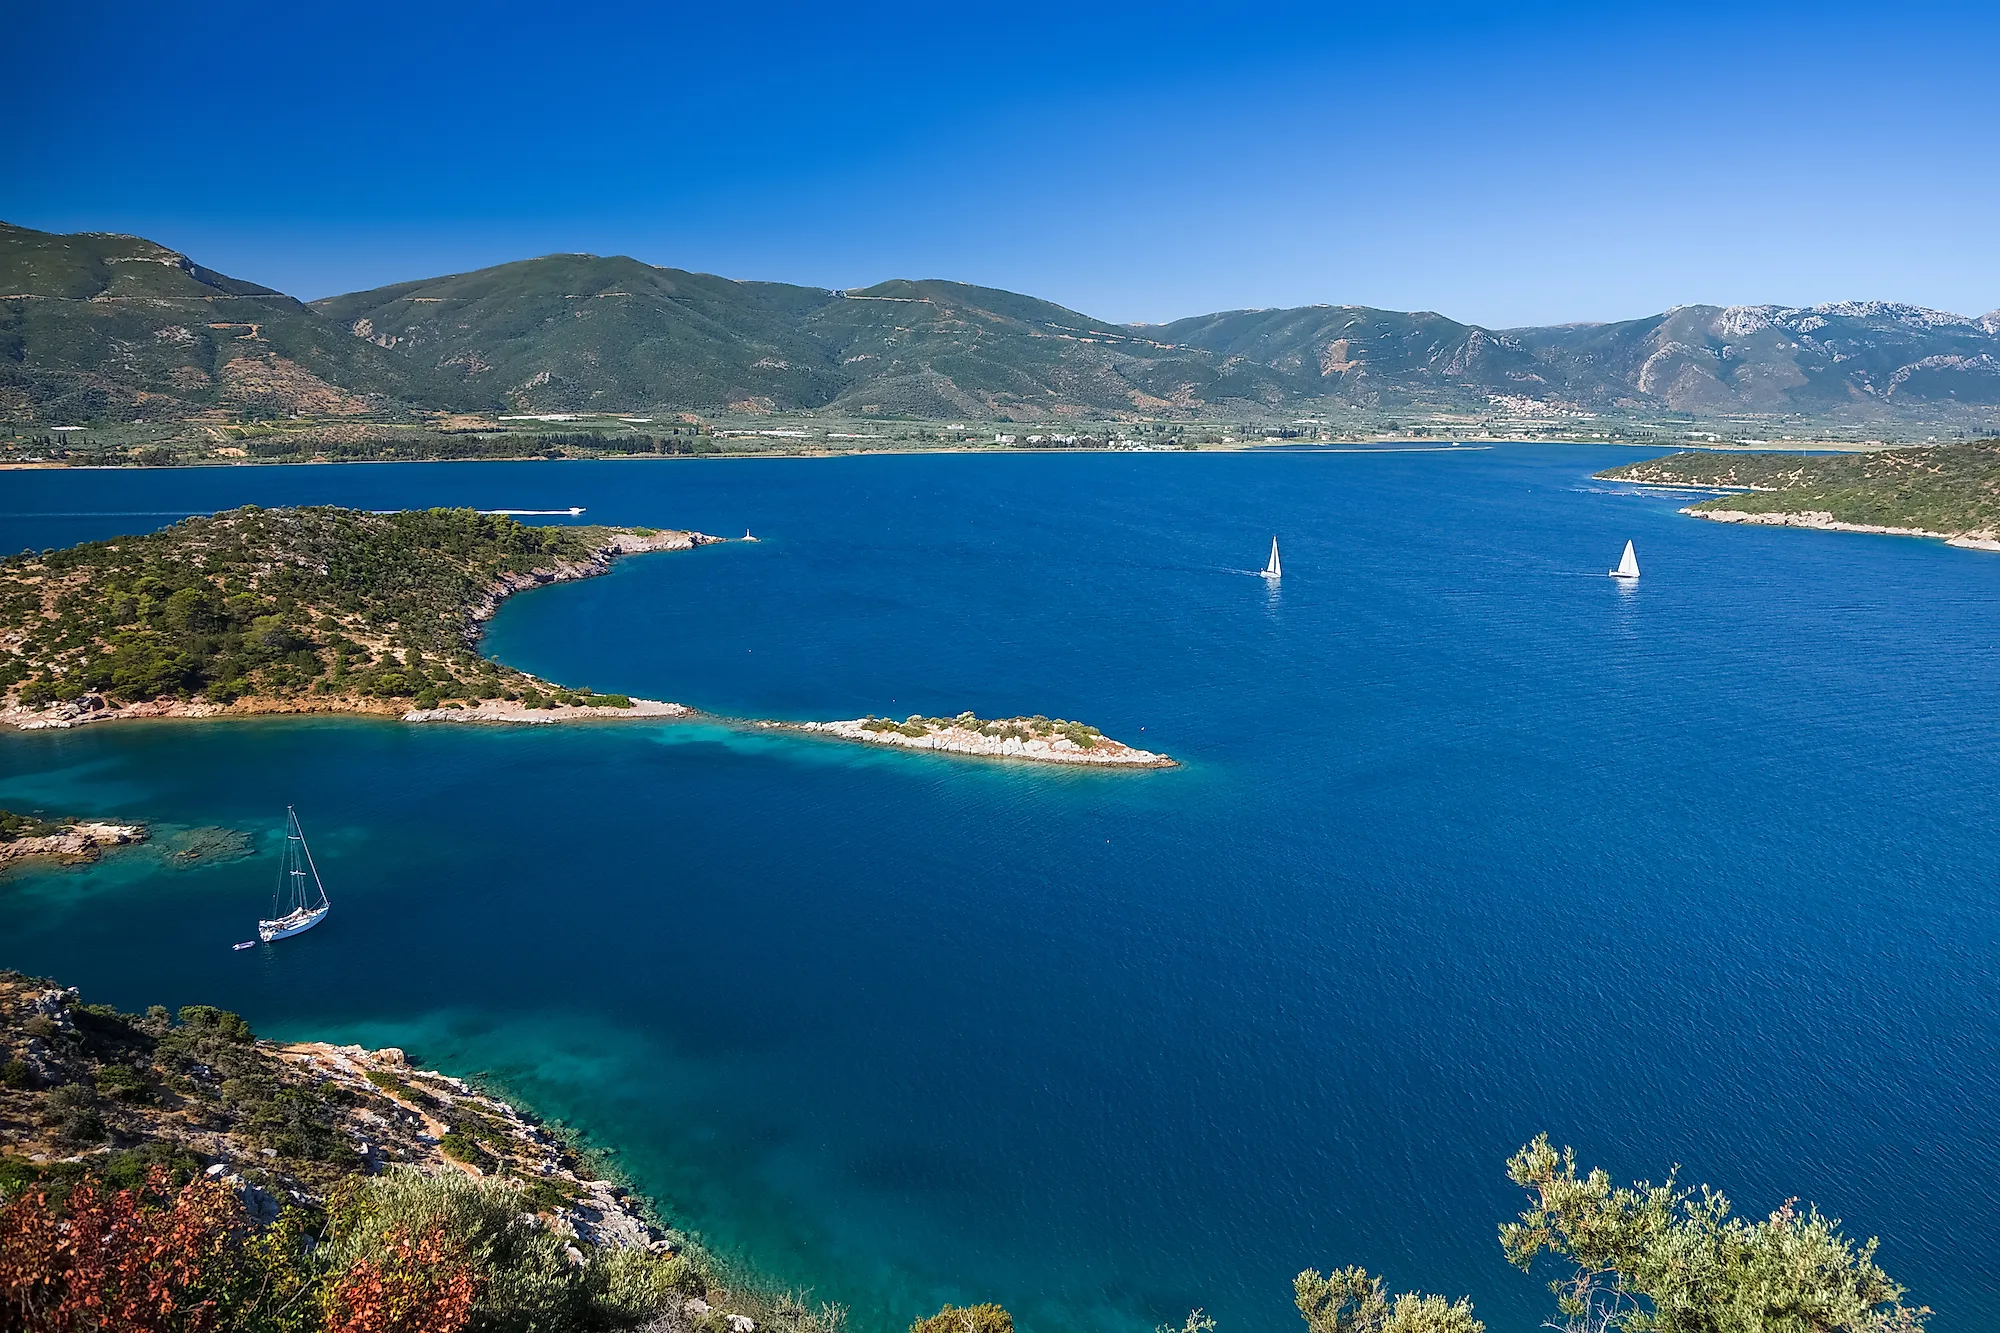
1628 565
299 891
1273 570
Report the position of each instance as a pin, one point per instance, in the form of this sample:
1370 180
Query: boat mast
309 862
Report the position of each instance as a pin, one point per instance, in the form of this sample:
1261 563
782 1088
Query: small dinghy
1628 566
247 944
1272 569
306 903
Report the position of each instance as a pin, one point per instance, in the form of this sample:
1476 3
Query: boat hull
296 924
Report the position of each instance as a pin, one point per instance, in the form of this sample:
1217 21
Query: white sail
1274 569
1628 565
304 904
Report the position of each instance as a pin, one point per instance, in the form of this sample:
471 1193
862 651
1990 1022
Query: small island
1947 491
1041 739
329 610
23 837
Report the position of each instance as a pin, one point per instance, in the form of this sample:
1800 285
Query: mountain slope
934 348
101 326
95 327
577 332
1866 355
1364 356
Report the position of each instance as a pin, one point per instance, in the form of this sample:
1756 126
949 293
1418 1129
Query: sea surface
1469 842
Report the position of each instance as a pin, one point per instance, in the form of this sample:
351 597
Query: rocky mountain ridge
96 327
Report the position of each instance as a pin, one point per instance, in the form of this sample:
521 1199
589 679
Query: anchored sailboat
1628 566
307 903
1273 570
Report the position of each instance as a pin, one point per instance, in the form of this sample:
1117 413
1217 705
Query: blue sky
1502 163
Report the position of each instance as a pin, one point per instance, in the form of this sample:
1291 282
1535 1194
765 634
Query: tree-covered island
1948 490
283 610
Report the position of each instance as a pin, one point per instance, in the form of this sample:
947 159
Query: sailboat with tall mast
1272 569
299 891
1628 565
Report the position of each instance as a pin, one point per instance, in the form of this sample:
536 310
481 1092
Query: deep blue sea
1469 842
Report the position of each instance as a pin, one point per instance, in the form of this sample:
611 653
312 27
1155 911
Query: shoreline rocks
1824 521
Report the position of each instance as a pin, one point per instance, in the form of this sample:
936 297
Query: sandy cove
1057 749
1824 521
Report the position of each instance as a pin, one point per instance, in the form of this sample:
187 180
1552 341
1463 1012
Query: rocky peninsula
1949 492
310 610
323 610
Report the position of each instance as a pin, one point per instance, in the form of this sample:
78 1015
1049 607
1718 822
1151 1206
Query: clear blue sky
1501 163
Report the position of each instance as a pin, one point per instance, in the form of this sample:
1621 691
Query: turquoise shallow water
1469 842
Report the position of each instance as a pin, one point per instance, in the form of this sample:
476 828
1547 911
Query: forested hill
97 327
374 611
580 333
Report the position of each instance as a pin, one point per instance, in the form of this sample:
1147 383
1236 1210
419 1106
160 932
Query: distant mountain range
96 327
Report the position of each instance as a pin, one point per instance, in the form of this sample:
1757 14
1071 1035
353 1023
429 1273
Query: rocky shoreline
387 1112
396 1118
1823 521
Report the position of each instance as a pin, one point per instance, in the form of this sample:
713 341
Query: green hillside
101 327
578 333
937 349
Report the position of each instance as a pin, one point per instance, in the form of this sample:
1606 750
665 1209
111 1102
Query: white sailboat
306 903
1628 565
1273 570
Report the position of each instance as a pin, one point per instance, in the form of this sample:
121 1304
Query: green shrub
971 1319
208 1021
527 1281
461 1147
124 1083
16 1074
